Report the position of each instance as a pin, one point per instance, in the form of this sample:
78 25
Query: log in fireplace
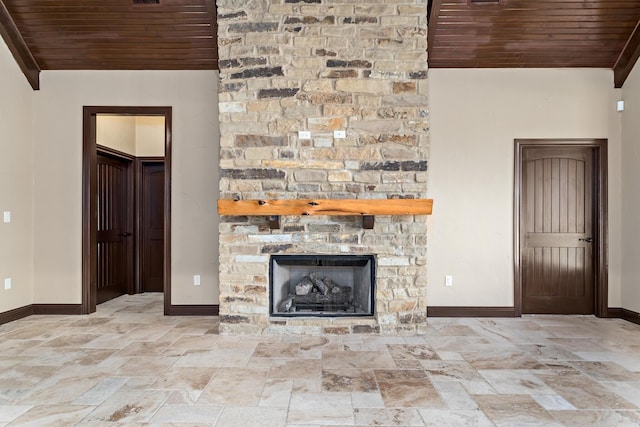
322 285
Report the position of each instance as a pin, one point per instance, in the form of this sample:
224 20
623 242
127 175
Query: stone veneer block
320 66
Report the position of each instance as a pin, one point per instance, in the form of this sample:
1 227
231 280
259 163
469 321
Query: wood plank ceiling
182 34
112 34
535 33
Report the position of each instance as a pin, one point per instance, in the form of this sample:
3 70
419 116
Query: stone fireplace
321 66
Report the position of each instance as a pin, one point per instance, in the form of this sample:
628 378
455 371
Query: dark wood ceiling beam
628 57
433 23
213 18
19 49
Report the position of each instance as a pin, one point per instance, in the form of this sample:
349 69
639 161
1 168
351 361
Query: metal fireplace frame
324 260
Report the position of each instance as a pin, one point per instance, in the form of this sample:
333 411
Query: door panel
114 237
152 230
557 230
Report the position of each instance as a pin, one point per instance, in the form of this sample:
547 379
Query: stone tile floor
127 364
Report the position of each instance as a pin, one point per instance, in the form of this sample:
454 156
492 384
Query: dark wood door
557 234
115 225
152 227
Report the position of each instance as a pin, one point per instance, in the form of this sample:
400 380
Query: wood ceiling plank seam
623 31
96 23
487 44
542 6
505 38
576 13
503 18
549 24
147 56
112 34
97 58
122 44
86 11
452 53
540 56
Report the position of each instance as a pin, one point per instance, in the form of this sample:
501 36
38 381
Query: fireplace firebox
322 285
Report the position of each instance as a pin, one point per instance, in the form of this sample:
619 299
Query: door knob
125 234
587 239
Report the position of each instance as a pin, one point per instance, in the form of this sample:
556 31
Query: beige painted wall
149 136
475 117
141 136
117 132
58 176
631 199
16 191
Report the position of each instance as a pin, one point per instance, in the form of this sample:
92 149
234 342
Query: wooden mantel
366 208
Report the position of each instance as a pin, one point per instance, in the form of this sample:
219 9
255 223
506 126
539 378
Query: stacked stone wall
319 66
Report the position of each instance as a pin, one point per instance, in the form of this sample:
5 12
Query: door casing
89 200
599 217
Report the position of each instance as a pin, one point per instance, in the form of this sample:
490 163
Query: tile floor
127 364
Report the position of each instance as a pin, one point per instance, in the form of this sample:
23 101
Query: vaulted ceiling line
628 57
18 47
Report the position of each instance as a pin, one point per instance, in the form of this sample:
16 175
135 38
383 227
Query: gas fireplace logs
318 293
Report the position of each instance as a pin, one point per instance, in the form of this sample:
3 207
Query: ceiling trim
213 18
19 49
627 58
434 12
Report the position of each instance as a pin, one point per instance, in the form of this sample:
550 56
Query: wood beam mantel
18 47
366 208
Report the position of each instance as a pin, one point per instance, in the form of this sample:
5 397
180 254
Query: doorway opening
560 227
126 230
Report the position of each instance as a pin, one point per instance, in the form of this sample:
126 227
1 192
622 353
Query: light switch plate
339 134
196 280
304 134
6 216
7 283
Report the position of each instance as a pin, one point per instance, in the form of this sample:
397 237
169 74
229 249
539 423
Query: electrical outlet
7 283
304 134
448 280
339 134
196 280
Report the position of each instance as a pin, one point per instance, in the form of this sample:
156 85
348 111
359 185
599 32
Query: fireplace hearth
322 285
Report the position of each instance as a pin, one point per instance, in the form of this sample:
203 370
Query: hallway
129 364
